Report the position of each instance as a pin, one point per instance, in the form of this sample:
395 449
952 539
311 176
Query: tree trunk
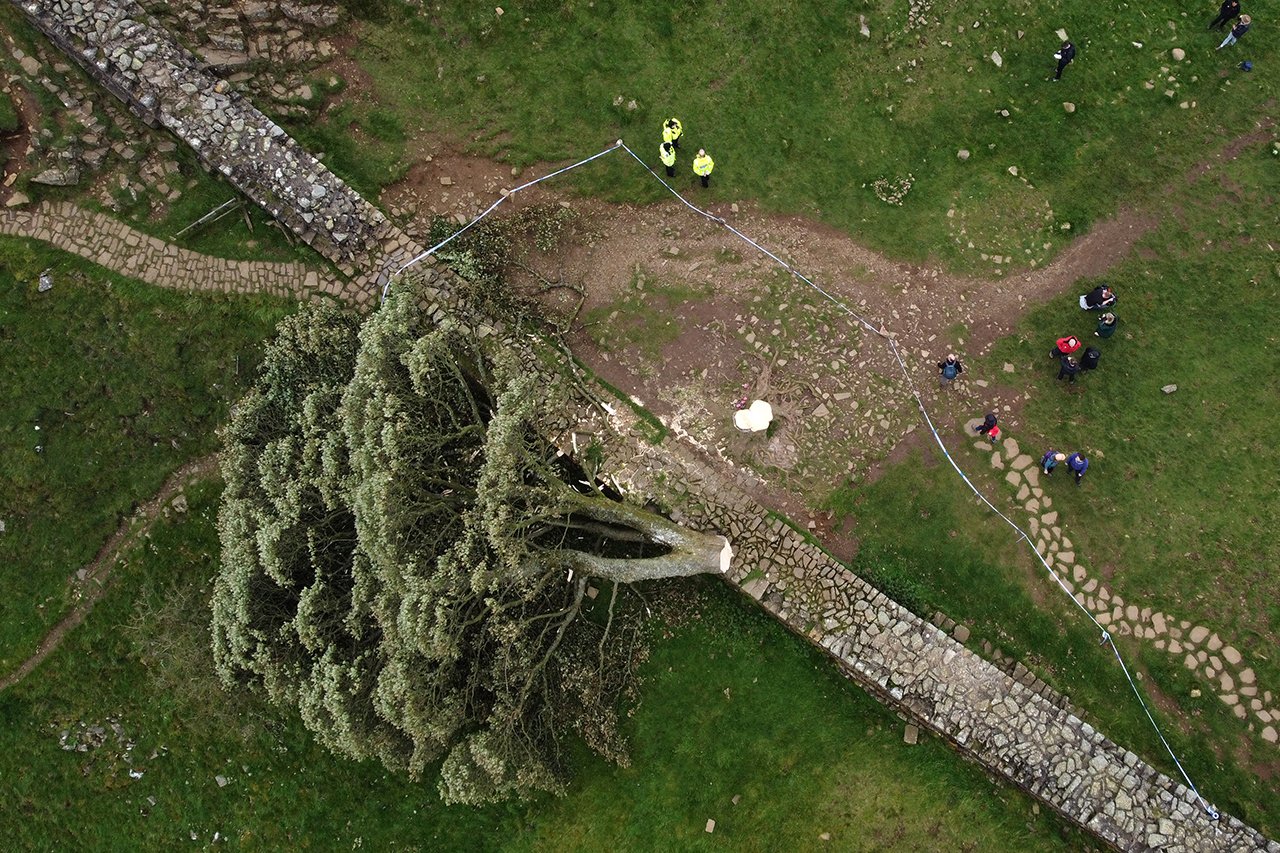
692 553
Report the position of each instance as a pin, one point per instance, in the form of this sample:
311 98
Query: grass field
804 114
1179 504
111 385
732 706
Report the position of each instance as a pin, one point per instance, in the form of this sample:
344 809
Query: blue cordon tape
893 347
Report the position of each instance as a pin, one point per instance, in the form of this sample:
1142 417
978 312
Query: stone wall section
167 86
1024 734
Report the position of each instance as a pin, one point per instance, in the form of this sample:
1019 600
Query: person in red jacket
1065 346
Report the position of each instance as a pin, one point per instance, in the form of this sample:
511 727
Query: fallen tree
406 556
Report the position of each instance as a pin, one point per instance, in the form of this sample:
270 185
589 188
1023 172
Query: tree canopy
406 555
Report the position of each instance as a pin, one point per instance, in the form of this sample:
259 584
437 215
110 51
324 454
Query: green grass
117 383
1180 498
9 118
644 317
363 145
1178 509
732 705
916 519
805 115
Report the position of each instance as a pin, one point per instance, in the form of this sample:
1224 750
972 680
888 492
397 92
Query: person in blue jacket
1079 464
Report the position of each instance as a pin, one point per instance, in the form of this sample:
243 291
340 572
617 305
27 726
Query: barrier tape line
906 373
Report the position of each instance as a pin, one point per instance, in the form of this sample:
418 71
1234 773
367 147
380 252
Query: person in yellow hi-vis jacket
672 130
667 151
702 166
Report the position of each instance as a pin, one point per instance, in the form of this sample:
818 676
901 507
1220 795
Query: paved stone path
1202 650
114 245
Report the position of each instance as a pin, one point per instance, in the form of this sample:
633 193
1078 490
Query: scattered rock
961 633
1062 35
711 825
446 181
911 735
997 58
221 780
66 176
1013 170
1169 389
17 200
1068 106
1178 54
962 154
45 284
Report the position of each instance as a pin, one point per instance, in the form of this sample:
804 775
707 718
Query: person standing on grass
1051 459
1106 326
1101 296
1238 31
1090 360
1065 54
1226 12
672 130
667 152
702 166
1078 465
1068 368
948 369
1064 347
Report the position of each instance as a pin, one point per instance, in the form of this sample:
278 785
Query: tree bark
692 552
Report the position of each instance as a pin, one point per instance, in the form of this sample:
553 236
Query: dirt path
90 582
686 317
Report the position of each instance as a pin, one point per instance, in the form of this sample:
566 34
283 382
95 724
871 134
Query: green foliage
488 251
118 383
806 751
403 561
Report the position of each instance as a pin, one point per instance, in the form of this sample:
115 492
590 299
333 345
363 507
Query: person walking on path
1238 31
1078 465
1051 459
667 152
1106 326
702 166
1064 347
1065 54
1090 360
1101 296
672 130
1229 10
948 369
1068 369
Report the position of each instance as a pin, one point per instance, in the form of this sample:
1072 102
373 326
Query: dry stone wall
167 86
1014 725
1011 724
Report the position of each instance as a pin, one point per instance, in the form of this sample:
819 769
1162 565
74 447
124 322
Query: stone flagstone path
1202 650
114 245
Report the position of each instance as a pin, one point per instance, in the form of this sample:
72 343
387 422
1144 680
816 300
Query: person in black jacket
1090 360
1065 54
1230 9
1237 32
1068 369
